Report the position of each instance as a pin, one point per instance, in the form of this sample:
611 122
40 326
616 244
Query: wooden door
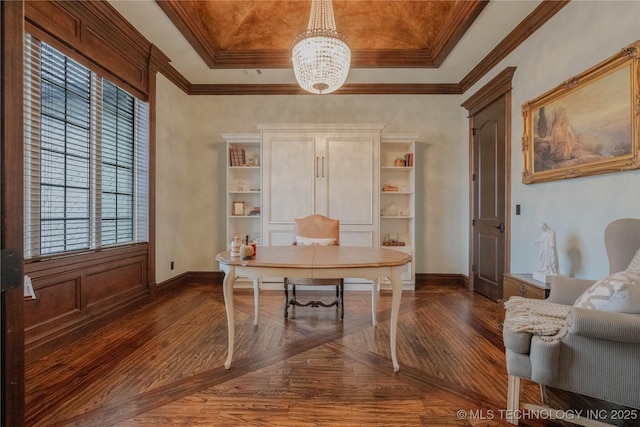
489 190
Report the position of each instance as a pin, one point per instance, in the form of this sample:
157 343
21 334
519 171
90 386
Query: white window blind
86 145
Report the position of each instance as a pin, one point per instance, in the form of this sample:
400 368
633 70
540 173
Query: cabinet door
349 179
289 184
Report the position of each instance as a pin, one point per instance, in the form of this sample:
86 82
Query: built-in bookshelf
397 195
244 186
250 195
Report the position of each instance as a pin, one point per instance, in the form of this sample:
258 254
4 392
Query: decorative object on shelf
389 187
392 240
587 125
548 258
238 209
255 211
321 55
390 210
241 185
399 163
253 161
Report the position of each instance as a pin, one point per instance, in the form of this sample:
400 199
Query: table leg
374 300
256 300
227 287
396 289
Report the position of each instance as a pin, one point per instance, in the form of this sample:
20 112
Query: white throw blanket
535 316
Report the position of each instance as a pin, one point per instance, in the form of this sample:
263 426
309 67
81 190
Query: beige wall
580 36
195 153
191 156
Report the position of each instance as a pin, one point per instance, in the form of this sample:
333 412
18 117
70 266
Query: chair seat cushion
318 241
618 292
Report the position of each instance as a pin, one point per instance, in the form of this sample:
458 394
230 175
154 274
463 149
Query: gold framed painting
588 125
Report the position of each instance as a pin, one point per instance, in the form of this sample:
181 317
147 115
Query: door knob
500 227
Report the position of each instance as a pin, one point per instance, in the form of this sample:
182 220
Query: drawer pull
522 290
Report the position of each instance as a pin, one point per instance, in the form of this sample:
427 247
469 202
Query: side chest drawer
512 287
521 285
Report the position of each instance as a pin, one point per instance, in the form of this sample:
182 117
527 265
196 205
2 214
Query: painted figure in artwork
562 139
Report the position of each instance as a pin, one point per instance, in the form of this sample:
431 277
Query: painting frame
588 125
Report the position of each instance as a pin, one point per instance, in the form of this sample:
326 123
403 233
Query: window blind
86 173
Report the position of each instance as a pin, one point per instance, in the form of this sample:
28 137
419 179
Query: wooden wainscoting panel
109 285
54 302
78 294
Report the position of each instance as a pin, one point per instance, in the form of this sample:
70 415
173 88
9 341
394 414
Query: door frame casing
499 86
11 209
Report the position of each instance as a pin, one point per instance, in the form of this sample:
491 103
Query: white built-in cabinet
397 196
244 186
345 171
315 169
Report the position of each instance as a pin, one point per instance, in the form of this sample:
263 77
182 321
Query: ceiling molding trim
459 20
347 89
497 87
176 77
191 29
536 19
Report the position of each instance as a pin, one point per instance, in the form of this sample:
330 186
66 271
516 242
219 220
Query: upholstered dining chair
315 230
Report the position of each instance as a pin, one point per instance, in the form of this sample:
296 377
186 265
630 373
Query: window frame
140 181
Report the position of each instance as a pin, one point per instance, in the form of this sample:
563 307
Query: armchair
315 230
594 352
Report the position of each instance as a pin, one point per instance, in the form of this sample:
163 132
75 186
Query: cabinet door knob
522 291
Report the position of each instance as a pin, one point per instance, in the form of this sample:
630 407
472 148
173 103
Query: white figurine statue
548 258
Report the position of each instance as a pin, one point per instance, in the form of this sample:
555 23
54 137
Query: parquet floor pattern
162 365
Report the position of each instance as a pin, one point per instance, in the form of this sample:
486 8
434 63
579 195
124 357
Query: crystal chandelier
321 55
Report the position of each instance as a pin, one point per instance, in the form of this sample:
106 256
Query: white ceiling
495 22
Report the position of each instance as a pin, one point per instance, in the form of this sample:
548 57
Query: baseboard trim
217 277
441 279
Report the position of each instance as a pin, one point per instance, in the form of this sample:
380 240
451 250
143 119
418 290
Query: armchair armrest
566 290
604 325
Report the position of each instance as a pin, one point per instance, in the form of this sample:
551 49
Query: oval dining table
315 262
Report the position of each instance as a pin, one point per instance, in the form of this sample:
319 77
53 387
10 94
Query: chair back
317 227
622 241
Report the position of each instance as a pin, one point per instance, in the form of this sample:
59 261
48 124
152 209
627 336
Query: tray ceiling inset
260 34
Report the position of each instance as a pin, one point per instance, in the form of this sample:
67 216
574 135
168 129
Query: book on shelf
408 159
236 156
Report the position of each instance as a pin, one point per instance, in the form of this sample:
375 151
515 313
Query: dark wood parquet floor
162 365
